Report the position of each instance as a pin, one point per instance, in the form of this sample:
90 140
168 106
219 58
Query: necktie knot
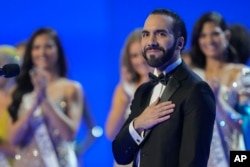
161 78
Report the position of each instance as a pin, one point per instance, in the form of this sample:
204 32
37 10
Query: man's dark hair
179 27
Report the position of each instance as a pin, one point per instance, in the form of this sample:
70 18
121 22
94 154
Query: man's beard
162 59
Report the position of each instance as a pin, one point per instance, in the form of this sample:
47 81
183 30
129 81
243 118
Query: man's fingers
167 104
156 102
165 112
166 107
164 118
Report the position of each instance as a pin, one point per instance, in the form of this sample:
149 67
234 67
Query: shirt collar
170 68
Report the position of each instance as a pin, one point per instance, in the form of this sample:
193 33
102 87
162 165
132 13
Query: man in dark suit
172 116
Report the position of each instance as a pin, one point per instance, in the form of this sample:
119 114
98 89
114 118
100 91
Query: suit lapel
174 82
145 97
172 86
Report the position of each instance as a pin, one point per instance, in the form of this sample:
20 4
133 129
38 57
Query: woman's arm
68 123
89 138
116 118
7 149
18 130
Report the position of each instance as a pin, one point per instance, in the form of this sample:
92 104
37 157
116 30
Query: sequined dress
30 154
227 133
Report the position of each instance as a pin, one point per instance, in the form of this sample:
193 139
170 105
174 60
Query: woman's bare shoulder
70 86
236 67
234 71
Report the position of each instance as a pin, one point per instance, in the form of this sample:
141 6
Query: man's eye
163 34
145 34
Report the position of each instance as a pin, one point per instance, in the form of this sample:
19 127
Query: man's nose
152 41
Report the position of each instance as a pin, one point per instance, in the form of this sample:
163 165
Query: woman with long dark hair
212 52
46 106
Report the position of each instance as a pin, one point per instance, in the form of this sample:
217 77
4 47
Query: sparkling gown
38 149
228 133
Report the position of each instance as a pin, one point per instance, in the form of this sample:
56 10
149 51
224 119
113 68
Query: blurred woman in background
8 55
212 52
134 72
46 107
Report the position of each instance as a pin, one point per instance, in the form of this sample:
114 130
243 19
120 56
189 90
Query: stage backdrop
93 33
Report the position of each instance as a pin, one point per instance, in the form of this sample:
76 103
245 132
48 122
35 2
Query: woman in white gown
46 106
217 63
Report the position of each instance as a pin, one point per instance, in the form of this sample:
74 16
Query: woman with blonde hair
8 55
134 72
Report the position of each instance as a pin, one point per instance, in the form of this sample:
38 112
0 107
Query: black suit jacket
183 140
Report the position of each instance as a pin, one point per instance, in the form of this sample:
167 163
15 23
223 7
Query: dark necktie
161 78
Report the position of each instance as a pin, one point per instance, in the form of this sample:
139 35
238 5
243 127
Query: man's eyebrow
162 30
144 31
156 31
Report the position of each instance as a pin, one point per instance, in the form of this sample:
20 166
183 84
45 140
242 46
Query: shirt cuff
137 138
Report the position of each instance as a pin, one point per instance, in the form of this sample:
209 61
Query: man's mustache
154 48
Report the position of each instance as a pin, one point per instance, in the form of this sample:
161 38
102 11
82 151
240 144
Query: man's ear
228 34
180 43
